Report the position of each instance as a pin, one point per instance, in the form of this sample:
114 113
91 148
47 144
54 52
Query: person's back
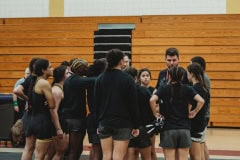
174 105
174 101
117 111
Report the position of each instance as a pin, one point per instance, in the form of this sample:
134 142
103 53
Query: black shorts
41 126
74 125
93 137
176 138
26 121
142 141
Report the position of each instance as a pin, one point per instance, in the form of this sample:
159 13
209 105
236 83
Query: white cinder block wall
24 8
40 8
142 7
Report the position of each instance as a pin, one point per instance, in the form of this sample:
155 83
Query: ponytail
30 90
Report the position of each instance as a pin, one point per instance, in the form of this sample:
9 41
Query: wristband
15 103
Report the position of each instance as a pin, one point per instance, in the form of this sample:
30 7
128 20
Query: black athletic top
146 114
39 103
115 98
40 124
173 103
151 89
198 123
74 102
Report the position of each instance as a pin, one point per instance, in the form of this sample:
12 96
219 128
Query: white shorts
202 137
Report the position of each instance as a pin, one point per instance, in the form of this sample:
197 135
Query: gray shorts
177 138
115 133
200 137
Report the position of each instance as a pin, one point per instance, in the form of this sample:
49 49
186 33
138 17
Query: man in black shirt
172 59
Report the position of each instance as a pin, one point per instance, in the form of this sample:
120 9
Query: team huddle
125 114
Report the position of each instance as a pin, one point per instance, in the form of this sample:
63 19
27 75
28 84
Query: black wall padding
112 40
113 32
106 39
99 55
108 47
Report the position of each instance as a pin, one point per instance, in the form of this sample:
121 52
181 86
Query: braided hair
79 66
176 76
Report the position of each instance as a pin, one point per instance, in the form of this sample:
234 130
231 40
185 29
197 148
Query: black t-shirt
173 101
198 123
146 114
74 102
151 89
115 98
